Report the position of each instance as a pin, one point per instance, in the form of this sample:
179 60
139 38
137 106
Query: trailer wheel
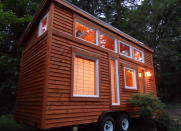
123 122
107 124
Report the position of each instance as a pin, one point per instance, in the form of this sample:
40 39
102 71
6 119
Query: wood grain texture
32 74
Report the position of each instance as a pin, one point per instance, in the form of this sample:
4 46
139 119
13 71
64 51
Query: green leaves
9 17
148 104
14 16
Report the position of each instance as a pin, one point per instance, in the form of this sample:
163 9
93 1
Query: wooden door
141 78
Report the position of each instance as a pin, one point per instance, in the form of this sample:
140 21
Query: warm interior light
148 74
140 74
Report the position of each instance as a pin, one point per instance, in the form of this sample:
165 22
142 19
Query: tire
107 124
123 122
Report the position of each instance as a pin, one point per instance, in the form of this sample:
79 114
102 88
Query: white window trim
87 27
115 50
142 55
131 50
128 87
117 82
39 25
97 76
116 45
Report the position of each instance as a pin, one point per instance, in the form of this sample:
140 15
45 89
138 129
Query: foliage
14 17
149 105
151 108
8 124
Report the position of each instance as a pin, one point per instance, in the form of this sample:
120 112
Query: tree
14 17
157 24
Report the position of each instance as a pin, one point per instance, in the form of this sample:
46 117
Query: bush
149 105
151 109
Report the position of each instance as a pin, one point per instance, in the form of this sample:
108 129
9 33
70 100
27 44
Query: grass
8 124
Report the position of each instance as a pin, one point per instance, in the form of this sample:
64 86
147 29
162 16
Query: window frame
143 61
88 26
135 78
116 61
131 49
97 63
115 41
40 23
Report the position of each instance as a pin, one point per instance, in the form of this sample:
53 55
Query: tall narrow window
138 55
86 77
130 78
125 49
106 42
84 32
114 82
43 25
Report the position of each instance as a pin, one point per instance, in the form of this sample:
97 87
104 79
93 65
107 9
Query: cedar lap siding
45 96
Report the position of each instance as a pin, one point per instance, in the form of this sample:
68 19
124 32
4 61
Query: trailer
76 69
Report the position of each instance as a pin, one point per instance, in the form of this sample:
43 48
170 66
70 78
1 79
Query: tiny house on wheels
76 69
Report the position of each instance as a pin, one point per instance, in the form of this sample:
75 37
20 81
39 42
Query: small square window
106 41
130 78
84 32
125 49
138 55
43 25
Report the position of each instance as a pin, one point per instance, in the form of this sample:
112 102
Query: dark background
157 23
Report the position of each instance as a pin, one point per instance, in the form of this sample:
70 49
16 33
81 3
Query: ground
8 124
175 111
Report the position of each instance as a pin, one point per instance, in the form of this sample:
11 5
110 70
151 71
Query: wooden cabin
76 69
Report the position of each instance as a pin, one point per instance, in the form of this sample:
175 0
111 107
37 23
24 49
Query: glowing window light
148 74
140 74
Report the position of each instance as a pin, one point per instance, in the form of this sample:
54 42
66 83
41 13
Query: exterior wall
32 78
63 20
61 108
32 82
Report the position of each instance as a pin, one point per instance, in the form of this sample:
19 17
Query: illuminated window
106 42
86 77
130 78
114 82
125 49
84 32
138 55
43 25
